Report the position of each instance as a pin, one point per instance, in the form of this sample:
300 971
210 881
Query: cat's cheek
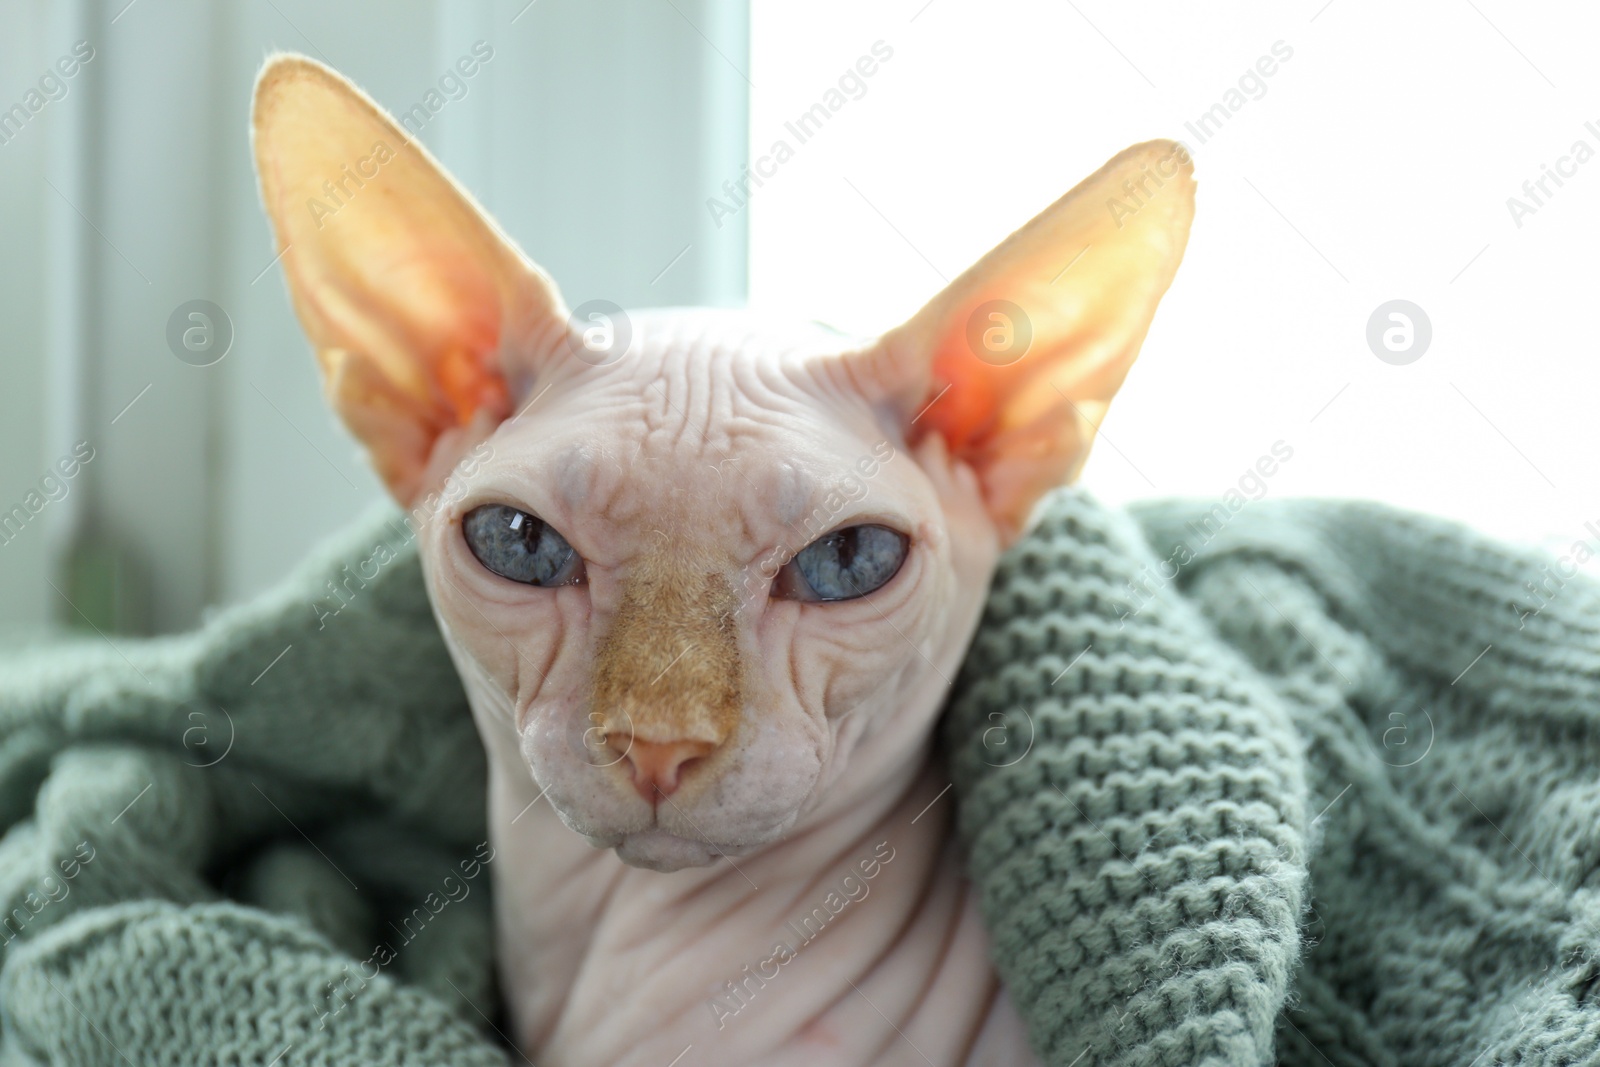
581 779
755 791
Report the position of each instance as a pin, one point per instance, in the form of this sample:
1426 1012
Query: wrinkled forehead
712 432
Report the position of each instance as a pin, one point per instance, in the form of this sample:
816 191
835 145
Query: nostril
658 767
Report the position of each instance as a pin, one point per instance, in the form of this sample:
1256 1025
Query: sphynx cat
707 579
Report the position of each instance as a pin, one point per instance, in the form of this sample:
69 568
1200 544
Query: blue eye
519 546
849 563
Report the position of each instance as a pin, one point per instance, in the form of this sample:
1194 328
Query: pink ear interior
1016 361
413 299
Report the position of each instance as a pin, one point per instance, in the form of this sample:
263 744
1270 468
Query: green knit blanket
1310 783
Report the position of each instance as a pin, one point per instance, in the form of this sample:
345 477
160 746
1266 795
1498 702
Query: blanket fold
316 762
1310 782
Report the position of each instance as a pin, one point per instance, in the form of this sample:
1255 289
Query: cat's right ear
423 314
1015 363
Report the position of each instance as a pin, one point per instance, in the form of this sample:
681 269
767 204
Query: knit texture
1308 784
262 836
1316 787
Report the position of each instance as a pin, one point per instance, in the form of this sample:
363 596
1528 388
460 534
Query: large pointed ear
423 314
1016 361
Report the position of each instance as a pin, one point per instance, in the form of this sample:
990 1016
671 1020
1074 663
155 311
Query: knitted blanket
1303 782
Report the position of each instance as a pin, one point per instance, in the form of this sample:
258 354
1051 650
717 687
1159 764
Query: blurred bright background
1374 163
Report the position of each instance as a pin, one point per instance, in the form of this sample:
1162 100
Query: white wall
592 134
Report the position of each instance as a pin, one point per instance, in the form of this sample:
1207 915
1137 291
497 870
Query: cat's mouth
746 800
660 850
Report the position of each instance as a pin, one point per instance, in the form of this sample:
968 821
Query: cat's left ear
1016 361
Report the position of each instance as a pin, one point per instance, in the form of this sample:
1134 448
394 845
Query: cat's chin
657 850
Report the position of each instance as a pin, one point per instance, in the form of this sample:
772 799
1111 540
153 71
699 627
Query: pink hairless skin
707 579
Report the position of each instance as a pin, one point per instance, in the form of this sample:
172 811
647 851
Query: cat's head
703 574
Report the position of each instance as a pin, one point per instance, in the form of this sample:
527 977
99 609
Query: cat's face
699 583
702 575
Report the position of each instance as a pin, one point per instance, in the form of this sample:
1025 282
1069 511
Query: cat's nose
658 766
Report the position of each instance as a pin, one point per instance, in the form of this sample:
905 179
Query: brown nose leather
658 766
668 673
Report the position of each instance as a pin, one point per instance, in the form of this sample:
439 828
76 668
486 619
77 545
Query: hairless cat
707 579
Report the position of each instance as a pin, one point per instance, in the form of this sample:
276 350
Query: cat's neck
856 935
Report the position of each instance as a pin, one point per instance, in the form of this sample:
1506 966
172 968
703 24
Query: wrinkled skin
705 454
720 834
694 453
